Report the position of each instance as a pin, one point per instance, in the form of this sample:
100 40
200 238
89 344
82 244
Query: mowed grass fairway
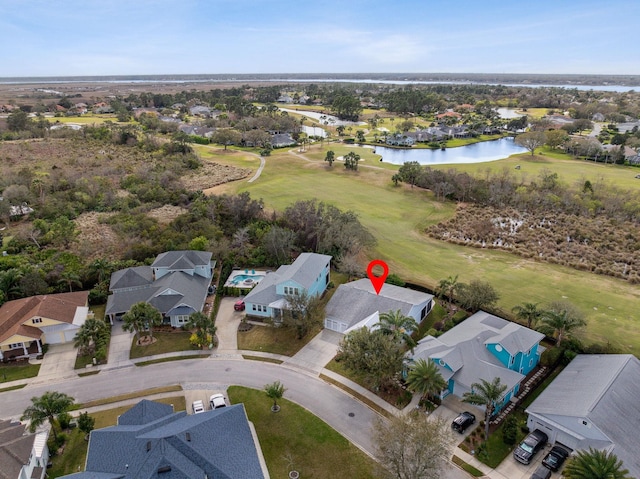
397 217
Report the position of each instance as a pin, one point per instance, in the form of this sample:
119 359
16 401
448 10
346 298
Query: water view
476 153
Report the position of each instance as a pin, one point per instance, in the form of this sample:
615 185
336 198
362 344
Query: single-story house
176 284
281 140
28 323
310 272
594 403
151 441
400 140
355 305
22 455
483 346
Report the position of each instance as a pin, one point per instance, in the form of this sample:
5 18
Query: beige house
26 324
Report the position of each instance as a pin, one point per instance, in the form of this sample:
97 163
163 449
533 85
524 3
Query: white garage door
334 325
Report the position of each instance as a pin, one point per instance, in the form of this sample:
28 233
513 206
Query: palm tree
425 378
559 325
528 312
70 278
275 391
92 334
99 267
141 317
448 287
396 324
204 326
595 464
485 394
47 407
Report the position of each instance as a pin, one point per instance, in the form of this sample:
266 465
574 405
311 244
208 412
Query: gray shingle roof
131 277
354 301
265 290
216 443
15 448
182 259
603 389
306 268
144 412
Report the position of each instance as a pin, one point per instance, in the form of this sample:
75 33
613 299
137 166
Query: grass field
295 439
397 217
165 343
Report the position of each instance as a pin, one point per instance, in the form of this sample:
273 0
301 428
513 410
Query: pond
476 153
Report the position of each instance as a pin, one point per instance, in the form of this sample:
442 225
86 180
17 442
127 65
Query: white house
22 455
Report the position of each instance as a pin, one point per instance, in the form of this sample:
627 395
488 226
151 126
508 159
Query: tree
47 408
560 324
18 120
424 378
226 137
531 140
351 160
477 295
410 172
410 447
330 157
375 355
141 317
86 423
556 138
595 464
582 124
448 287
275 391
528 312
486 394
399 326
360 136
303 312
340 130
93 334
205 328
346 107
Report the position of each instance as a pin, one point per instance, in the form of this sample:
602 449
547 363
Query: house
597 117
308 273
281 140
593 402
176 284
483 346
205 132
355 305
151 441
28 323
22 455
200 110
400 140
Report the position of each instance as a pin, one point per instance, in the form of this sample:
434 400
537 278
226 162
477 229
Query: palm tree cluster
92 338
560 321
205 329
141 318
47 408
595 464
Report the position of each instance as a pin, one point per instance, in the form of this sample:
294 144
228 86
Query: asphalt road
342 412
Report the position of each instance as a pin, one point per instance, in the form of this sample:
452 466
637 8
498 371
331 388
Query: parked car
198 407
530 446
463 421
217 401
556 457
541 472
239 306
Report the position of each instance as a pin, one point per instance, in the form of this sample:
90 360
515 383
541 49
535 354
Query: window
498 348
253 307
15 345
182 319
510 360
530 362
36 320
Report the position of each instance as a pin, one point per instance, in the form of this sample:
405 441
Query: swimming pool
246 279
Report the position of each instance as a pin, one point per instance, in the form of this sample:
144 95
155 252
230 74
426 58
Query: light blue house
308 273
483 347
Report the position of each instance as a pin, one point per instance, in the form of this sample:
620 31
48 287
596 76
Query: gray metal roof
354 301
604 389
216 443
182 259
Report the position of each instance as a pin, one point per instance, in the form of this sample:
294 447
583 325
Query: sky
144 37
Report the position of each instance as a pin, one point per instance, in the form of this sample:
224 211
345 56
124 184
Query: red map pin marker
377 281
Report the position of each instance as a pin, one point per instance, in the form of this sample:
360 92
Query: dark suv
463 421
555 458
530 446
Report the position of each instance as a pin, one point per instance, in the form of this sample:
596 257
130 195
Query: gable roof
60 307
603 389
15 448
131 277
352 302
176 260
144 412
217 443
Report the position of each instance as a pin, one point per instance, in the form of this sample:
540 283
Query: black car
555 458
463 421
530 446
541 473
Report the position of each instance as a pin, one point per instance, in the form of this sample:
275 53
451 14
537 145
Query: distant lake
476 153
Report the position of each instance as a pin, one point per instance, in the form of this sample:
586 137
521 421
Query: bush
64 419
550 357
510 431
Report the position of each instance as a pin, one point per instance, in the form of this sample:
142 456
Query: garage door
566 440
334 325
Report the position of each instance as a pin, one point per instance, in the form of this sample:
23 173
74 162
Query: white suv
216 401
198 407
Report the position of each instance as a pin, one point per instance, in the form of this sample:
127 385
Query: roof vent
188 436
148 446
164 469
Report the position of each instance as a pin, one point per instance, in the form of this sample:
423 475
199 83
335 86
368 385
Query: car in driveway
555 458
541 472
197 407
238 306
463 421
217 401
530 446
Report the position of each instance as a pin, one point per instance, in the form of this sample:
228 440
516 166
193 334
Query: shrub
64 419
550 357
510 431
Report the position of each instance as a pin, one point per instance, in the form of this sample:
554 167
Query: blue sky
129 37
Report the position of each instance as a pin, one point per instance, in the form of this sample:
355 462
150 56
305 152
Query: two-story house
176 284
22 455
309 273
483 347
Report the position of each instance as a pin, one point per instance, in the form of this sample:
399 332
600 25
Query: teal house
482 347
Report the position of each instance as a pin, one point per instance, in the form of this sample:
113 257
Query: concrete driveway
317 352
119 347
58 363
227 322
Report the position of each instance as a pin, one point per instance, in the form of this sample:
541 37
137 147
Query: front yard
165 342
14 371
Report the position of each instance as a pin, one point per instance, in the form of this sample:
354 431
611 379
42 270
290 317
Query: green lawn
295 439
273 340
397 217
165 343
12 372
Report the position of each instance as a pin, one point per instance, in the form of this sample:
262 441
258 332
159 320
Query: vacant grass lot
397 217
295 439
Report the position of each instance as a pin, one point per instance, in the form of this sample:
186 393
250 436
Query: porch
25 352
